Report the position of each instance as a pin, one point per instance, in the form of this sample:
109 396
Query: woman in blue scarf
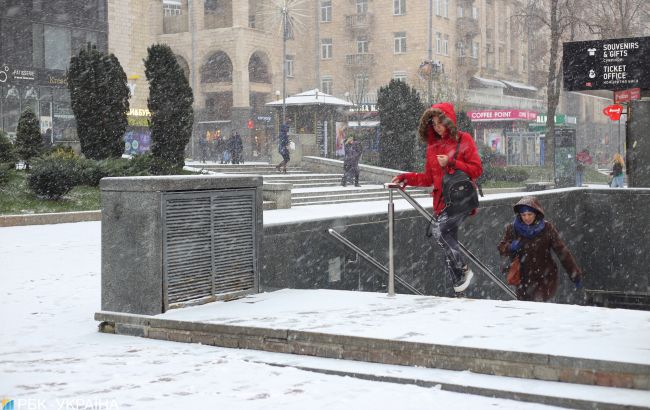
532 238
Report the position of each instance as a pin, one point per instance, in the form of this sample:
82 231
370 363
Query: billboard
613 64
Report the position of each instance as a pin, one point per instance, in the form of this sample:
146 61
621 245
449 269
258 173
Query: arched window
258 71
217 68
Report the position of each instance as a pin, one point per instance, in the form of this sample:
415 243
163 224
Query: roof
514 84
311 97
489 83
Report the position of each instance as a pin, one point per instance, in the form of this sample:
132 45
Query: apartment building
37 40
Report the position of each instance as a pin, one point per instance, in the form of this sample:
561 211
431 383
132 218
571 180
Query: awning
352 124
521 86
488 83
311 97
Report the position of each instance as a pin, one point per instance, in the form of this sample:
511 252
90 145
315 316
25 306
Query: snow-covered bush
52 178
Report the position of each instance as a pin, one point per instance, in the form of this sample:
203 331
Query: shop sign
502 115
627 95
611 64
613 111
139 112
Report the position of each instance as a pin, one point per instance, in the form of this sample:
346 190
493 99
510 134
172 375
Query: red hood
447 109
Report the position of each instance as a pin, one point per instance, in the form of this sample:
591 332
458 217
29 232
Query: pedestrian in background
283 148
583 158
236 148
353 151
618 177
203 147
531 237
448 151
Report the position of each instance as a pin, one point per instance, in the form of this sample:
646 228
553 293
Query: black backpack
458 191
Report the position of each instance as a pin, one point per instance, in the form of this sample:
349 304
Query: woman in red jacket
438 129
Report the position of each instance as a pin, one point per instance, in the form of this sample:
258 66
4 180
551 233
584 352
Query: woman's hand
399 179
443 160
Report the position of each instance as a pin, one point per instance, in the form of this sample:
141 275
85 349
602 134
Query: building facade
232 52
37 40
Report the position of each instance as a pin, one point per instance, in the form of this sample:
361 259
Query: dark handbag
513 272
458 191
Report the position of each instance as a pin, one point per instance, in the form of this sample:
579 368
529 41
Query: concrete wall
606 229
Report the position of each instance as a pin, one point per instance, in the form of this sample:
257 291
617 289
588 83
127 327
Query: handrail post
391 231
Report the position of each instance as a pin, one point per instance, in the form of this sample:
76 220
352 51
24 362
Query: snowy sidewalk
52 354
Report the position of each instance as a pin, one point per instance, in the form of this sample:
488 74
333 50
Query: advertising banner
614 64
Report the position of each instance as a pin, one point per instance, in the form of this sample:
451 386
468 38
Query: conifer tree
29 143
400 108
100 102
170 103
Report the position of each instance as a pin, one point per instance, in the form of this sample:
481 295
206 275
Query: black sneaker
461 284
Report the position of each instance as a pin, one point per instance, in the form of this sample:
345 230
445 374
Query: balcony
358 23
467 61
467 27
359 60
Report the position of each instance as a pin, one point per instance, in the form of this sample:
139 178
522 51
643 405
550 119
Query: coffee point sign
613 64
501 115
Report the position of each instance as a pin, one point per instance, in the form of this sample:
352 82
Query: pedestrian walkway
585 347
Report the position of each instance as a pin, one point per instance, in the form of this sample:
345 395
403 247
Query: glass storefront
50 104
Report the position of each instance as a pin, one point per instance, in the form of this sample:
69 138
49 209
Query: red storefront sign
502 115
627 95
613 111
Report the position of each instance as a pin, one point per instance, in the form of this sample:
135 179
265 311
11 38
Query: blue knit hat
525 208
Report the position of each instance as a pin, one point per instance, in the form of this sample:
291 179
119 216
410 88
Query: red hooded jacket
467 161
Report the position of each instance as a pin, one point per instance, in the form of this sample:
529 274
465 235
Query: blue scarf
528 231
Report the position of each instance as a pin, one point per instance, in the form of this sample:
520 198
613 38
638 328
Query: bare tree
618 18
560 20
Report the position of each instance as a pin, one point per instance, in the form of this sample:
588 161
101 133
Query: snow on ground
51 355
566 330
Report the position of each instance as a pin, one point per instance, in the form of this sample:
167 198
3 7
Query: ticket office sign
614 64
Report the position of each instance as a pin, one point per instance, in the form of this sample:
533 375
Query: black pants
445 231
350 172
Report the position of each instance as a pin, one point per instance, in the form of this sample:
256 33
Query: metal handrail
426 214
372 260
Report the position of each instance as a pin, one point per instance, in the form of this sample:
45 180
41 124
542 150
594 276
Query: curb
50 218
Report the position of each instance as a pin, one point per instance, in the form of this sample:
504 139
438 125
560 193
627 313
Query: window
459 11
360 84
475 47
445 8
214 7
326 84
326 48
523 63
289 63
437 7
326 10
171 8
399 7
362 6
438 43
445 45
56 47
475 13
362 45
400 42
399 76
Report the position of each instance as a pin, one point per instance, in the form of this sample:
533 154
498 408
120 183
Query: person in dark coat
532 237
283 148
439 131
203 148
236 148
353 151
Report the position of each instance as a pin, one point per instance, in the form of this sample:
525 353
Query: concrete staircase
308 188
